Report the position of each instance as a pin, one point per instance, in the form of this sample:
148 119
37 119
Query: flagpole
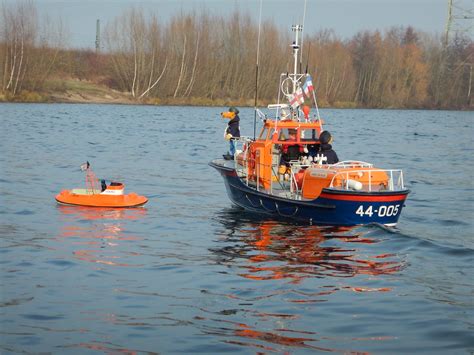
256 74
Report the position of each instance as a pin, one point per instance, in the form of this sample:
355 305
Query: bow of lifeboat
368 194
112 196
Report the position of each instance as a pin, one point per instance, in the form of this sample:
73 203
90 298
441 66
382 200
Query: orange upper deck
282 134
277 132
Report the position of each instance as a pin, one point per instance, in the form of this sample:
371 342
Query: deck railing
346 180
277 180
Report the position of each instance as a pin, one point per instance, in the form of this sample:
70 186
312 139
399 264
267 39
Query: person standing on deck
325 148
233 130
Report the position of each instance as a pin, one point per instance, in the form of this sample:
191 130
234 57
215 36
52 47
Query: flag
293 101
85 166
308 86
297 98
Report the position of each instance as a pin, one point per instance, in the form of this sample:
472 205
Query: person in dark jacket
325 149
233 129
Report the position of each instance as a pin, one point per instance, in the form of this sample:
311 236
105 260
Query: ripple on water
16 301
24 212
190 274
61 263
42 317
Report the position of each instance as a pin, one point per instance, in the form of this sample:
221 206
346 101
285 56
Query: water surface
190 273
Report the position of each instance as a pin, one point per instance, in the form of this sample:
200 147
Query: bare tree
212 58
135 46
18 35
28 48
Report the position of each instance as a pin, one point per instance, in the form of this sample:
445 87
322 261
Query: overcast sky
346 17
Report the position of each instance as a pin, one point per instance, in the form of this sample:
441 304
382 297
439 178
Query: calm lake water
192 274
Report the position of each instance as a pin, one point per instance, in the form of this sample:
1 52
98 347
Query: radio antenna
302 34
256 73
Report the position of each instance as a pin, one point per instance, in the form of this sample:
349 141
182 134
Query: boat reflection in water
298 271
275 250
98 235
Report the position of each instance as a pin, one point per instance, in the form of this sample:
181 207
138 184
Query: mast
297 29
256 73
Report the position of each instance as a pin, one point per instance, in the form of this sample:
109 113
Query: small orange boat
93 195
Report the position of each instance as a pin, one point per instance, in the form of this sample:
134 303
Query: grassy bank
71 91
83 91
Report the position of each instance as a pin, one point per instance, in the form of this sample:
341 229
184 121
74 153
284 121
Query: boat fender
354 184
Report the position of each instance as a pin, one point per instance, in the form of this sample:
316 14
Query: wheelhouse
278 143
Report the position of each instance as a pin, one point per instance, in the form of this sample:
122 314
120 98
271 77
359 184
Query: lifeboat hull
331 207
67 197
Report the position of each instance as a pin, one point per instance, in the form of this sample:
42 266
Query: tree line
203 58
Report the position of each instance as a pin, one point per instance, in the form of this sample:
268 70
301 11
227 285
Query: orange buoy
106 196
81 197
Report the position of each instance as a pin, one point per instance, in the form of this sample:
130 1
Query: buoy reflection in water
98 235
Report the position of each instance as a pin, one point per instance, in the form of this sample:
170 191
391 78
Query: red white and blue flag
297 98
85 166
308 86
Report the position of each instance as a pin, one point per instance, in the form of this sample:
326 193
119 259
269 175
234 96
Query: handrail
349 181
295 166
243 139
391 186
352 164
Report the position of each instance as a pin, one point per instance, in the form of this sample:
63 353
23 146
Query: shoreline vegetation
75 91
202 59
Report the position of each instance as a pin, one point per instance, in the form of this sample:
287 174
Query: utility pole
449 22
469 97
459 10
97 37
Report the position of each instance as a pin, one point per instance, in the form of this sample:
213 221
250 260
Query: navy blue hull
332 207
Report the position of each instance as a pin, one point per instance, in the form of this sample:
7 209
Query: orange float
93 195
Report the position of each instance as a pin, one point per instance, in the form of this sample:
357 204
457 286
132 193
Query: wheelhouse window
263 134
308 135
272 132
287 134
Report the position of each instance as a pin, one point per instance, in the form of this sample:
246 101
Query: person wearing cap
291 150
325 148
233 129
